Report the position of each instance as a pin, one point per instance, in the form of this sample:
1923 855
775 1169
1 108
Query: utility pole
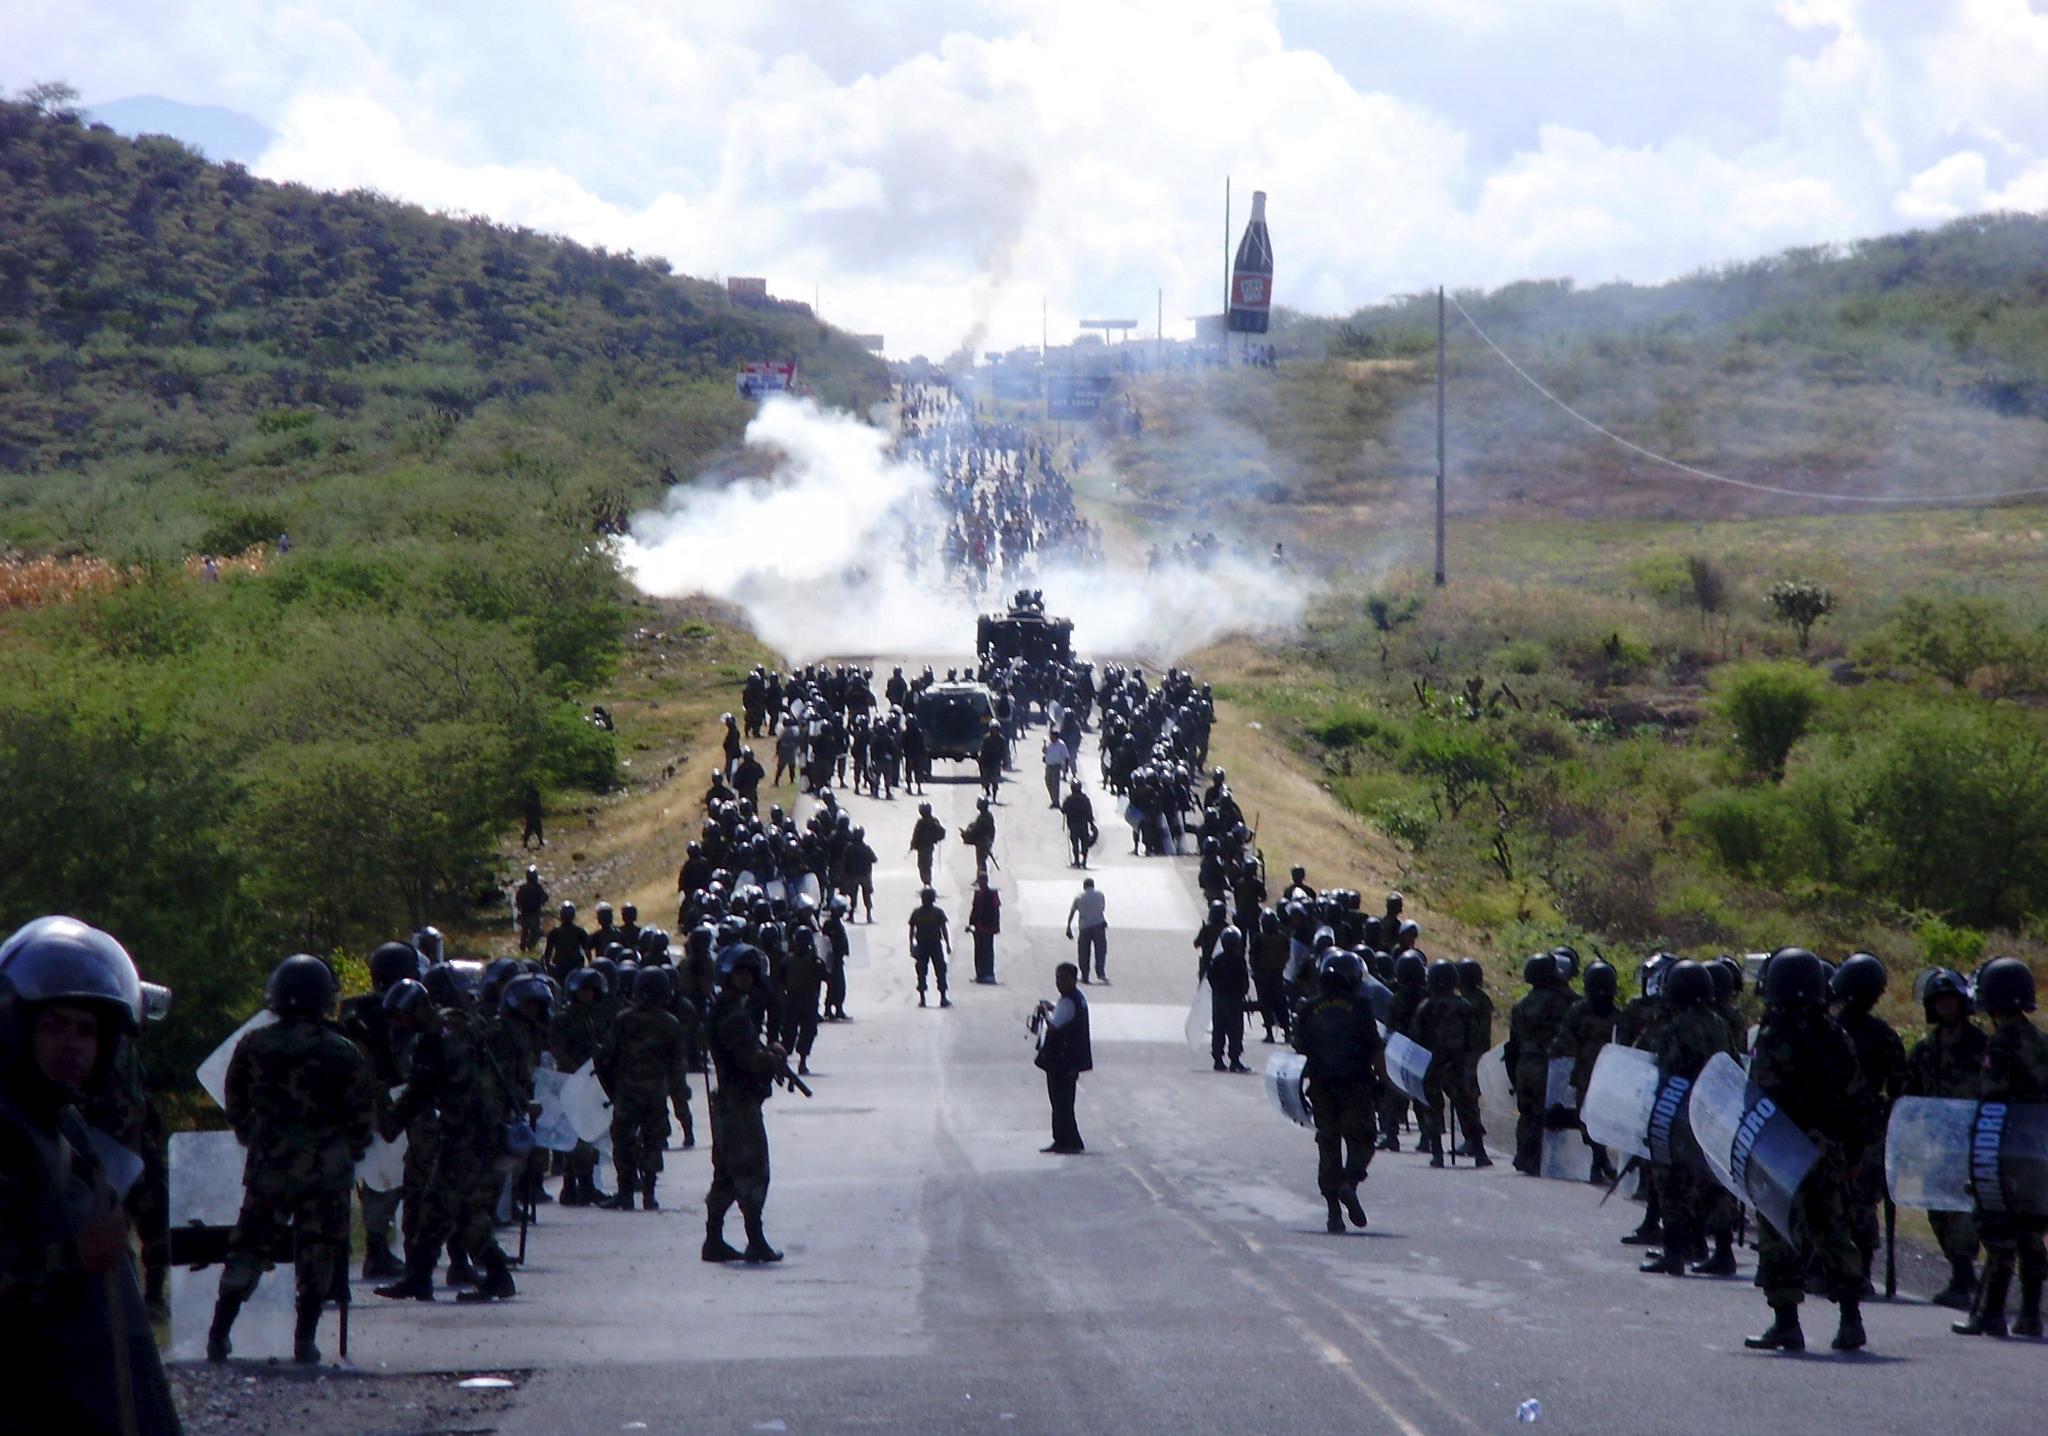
1439 436
1223 335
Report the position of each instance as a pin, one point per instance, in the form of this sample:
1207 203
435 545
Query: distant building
744 289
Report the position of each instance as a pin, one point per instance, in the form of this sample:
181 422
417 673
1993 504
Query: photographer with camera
1063 1055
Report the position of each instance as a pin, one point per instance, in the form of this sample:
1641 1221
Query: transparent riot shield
1407 1065
805 886
121 1166
206 1191
1284 1085
382 1168
553 1131
213 1072
1751 1146
1197 1028
1619 1097
1378 996
1950 1155
1566 1157
1497 1091
1557 1085
584 1105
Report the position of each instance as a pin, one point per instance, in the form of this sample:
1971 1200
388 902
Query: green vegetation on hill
323 747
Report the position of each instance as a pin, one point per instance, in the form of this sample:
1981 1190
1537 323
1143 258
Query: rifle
1619 1177
788 1078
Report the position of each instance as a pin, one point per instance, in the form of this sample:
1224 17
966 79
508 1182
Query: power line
1698 473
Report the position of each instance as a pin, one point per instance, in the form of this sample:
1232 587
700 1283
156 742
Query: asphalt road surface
944 1276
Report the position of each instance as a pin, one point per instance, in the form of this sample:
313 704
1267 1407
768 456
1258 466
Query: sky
936 170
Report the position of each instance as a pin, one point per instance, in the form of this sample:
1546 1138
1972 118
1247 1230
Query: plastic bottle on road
1529 1411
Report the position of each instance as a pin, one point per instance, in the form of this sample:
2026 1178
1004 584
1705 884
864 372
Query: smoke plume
815 554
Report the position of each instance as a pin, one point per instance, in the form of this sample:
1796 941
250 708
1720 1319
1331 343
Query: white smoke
814 554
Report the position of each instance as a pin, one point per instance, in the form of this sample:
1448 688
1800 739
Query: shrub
1769 705
1743 826
1800 603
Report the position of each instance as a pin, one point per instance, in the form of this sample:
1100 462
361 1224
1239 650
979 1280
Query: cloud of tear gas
817 555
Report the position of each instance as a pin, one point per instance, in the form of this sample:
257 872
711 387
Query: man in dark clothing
530 809
980 835
566 945
1533 1025
925 836
1082 834
1949 1062
1064 1054
1857 985
1345 1068
931 942
2015 1070
985 920
530 901
1229 977
746 1071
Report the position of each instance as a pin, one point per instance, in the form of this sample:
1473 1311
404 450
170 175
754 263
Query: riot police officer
1345 1069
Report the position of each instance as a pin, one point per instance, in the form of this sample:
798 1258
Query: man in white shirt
1091 909
1057 759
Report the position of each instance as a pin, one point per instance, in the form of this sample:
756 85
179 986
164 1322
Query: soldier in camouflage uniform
2015 1070
1443 1025
1533 1026
1806 1064
1949 1062
364 1020
1589 1027
1685 1045
1857 985
299 1098
576 1035
456 1080
514 1044
1641 1020
641 1069
746 1072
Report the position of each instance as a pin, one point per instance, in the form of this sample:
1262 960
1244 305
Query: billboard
1251 274
869 342
748 290
757 380
1076 396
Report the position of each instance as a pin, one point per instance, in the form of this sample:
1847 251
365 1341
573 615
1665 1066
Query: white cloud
938 167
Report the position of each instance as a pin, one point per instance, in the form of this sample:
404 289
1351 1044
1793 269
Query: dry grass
37 582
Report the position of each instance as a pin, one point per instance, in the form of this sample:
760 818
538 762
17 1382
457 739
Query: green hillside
322 747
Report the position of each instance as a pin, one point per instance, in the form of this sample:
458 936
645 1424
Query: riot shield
206 1191
805 886
553 1131
1497 1091
1950 1155
1197 1028
213 1072
1557 1085
1284 1085
1619 1099
382 1168
1566 1157
1752 1147
1407 1065
1379 997
584 1105
745 879
122 1167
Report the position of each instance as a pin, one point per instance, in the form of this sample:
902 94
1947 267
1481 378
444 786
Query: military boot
418 1282
1348 1195
573 1190
716 1247
758 1251
2028 1323
1646 1235
1849 1336
1436 1151
1987 1317
1669 1262
379 1263
647 1193
1783 1334
496 1285
305 1349
1334 1223
1477 1152
1722 1262
1217 1062
623 1202
225 1309
1962 1285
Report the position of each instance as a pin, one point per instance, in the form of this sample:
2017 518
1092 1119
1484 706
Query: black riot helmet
1941 982
739 956
587 977
1734 967
1724 980
1689 985
1443 977
393 962
1540 970
1794 977
60 959
653 945
1407 934
652 987
527 988
442 985
1471 974
2004 986
1340 971
408 998
605 967
1567 960
1602 982
428 943
1652 973
1411 969
302 986
1230 940
1858 982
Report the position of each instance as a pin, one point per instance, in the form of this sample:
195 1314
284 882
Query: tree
1770 705
1459 759
1709 586
1956 638
1801 603
51 98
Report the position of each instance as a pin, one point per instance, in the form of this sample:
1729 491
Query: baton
1452 1113
1620 1177
1891 1250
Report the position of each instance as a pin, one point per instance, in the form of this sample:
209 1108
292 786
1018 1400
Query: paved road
943 1276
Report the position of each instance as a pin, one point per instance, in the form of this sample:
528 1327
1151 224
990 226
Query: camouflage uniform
1940 1067
1806 1064
1533 1026
452 1078
2015 1070
1686 1044
1882 1057
1337 1035
363 1019
642 1069
299 1098
1443 1025
739 1138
